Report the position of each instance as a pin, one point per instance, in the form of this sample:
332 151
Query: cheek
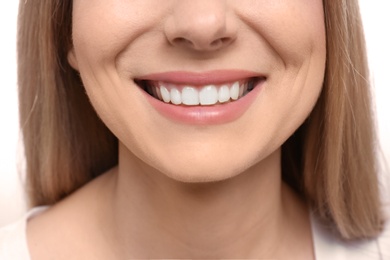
300 43
303 40
292 29
103 29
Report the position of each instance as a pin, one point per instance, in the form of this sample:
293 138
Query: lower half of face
200 90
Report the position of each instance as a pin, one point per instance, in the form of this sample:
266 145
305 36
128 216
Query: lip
204 115
201 78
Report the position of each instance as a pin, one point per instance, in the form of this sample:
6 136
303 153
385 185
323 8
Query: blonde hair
330 160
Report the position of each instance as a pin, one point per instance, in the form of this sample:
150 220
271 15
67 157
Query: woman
197 129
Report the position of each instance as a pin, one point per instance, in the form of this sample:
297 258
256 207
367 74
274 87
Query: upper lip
201 78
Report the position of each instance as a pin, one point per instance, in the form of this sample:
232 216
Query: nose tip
200 25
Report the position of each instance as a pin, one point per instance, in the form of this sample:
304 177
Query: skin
181 190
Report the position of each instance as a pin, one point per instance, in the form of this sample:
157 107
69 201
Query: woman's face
228 81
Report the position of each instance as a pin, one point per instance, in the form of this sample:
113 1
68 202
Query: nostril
198 45
216 43
219 42
182 41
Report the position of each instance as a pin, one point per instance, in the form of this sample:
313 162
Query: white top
13 240
329 246
13 243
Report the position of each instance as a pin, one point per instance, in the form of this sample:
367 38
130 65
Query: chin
200 177
203 172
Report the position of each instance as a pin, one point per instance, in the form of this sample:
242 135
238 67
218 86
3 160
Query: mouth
199 95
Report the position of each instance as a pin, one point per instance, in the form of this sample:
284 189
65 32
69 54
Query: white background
376 20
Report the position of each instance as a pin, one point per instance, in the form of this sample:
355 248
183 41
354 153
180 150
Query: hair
329 160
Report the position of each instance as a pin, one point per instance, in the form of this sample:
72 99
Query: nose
201 25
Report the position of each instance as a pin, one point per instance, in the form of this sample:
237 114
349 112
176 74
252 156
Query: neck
245 216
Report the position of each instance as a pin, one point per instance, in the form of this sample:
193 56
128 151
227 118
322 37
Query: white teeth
193 96
241 90
158 93
154 91
208 95
223 94
235 91
190 96
165 94
175 96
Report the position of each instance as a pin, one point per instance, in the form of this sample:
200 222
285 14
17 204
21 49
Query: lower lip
205 115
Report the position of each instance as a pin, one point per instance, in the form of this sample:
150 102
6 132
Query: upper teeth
192 96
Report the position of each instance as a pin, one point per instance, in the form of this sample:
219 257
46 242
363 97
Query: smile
201 98
206 95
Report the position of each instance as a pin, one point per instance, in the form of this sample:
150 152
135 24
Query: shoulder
329 246
13 241
384 239
72 228
384 242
